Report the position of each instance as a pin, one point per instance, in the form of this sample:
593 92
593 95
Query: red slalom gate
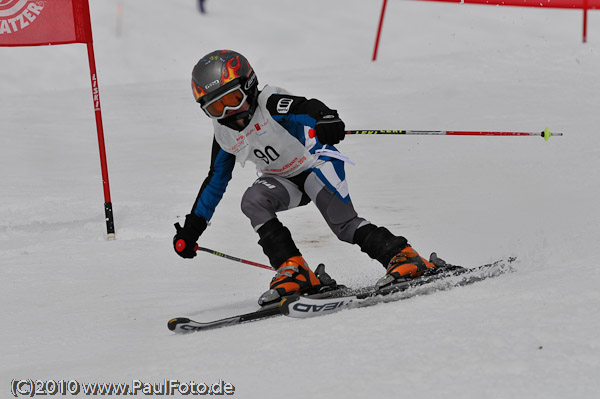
42 23
584 5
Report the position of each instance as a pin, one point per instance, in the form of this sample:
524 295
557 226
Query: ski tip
173 323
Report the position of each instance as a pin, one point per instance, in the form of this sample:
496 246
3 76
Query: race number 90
268 155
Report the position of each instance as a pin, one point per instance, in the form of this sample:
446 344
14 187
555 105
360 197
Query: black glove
184 241
330 129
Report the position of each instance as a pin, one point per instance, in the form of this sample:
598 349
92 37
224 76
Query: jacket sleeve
213 188
293 112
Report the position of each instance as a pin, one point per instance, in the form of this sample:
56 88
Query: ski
186 325
441 278
337 297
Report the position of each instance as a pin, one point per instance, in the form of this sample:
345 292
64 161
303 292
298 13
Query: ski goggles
232 100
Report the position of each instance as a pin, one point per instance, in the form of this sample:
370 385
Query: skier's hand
330 129
184 242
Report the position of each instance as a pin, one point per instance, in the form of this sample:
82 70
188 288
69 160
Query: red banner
43 22
574 4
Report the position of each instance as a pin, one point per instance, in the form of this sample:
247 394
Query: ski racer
291 141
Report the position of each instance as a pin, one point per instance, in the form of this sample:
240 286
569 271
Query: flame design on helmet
198 91
232 68
218 69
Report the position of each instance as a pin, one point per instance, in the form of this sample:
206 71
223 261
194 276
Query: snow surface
75 306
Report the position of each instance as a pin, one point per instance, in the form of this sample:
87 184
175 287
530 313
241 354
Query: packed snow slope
78 307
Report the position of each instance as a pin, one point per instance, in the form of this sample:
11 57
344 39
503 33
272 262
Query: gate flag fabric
46 22
37 22
576 4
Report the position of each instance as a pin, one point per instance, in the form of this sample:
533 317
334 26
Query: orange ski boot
293 277
406 265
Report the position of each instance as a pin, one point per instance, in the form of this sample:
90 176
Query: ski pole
546 134
222 255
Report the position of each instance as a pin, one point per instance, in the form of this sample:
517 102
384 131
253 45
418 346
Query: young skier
291 140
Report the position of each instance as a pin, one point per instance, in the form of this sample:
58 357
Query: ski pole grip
181 242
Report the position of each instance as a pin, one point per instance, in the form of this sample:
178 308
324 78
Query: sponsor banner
43 22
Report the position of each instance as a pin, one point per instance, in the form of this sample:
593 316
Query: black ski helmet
220 71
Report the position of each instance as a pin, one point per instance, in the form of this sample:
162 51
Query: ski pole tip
546 134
